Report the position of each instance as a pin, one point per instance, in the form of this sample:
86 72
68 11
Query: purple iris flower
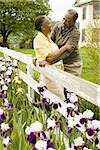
69 130
34 148
43 135
32 138
2 117
82 120
1 93
10 106
41 88
44 100
90 131
50 144
55 106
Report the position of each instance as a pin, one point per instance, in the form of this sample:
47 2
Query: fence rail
81 87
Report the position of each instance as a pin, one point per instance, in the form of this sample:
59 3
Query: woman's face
46 25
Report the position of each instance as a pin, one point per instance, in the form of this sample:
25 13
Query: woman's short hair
38 22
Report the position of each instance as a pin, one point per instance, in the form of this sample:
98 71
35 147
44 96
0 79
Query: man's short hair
74 13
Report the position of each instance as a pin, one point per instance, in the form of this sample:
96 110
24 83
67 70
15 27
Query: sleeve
41 49
74 39
61 57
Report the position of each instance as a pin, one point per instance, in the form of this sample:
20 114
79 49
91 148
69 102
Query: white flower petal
36 126
41 145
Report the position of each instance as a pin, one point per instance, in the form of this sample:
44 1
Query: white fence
81 87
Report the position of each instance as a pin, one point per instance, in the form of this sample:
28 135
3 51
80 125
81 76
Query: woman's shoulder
39 37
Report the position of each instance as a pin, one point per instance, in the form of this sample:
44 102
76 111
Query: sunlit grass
90 70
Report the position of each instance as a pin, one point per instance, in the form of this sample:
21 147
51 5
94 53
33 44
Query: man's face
68 21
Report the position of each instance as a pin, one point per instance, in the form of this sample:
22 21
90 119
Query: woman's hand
42 63
34 61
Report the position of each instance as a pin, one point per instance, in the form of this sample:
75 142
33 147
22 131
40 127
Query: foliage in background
18 16
91 53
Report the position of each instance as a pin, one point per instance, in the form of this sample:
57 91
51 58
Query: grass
90 68
26 51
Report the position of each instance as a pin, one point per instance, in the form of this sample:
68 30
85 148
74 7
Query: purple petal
69 130
1 95
90 132
82 120
10 105
41 88
50 144
34 148
55 106
44 100
32 138
2 117
43 135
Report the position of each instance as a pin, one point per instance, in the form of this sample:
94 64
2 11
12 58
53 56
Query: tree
18 16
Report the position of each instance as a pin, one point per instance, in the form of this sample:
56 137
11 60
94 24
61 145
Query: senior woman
45 47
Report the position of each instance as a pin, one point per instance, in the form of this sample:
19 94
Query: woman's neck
46 34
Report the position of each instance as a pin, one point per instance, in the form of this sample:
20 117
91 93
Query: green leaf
1 145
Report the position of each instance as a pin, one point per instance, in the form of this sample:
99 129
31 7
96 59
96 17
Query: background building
89 18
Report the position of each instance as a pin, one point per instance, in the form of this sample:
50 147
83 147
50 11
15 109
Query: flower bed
24 126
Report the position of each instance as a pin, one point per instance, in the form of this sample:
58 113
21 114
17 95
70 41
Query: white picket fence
81 87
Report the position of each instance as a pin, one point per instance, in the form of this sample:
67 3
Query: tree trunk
5 33
5 44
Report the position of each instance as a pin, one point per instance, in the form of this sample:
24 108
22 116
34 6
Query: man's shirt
61 36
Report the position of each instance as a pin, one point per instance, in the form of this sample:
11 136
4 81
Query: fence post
98 96
30 74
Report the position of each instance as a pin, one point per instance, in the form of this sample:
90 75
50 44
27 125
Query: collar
45 37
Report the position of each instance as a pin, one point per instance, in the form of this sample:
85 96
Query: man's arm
51 58
70 46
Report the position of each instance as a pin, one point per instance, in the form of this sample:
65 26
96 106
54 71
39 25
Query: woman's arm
51 57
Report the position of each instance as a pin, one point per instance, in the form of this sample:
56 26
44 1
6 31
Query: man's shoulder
75 30
57 25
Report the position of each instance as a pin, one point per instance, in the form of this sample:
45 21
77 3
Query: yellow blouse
43 46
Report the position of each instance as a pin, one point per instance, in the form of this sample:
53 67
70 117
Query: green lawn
26 51
90 70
